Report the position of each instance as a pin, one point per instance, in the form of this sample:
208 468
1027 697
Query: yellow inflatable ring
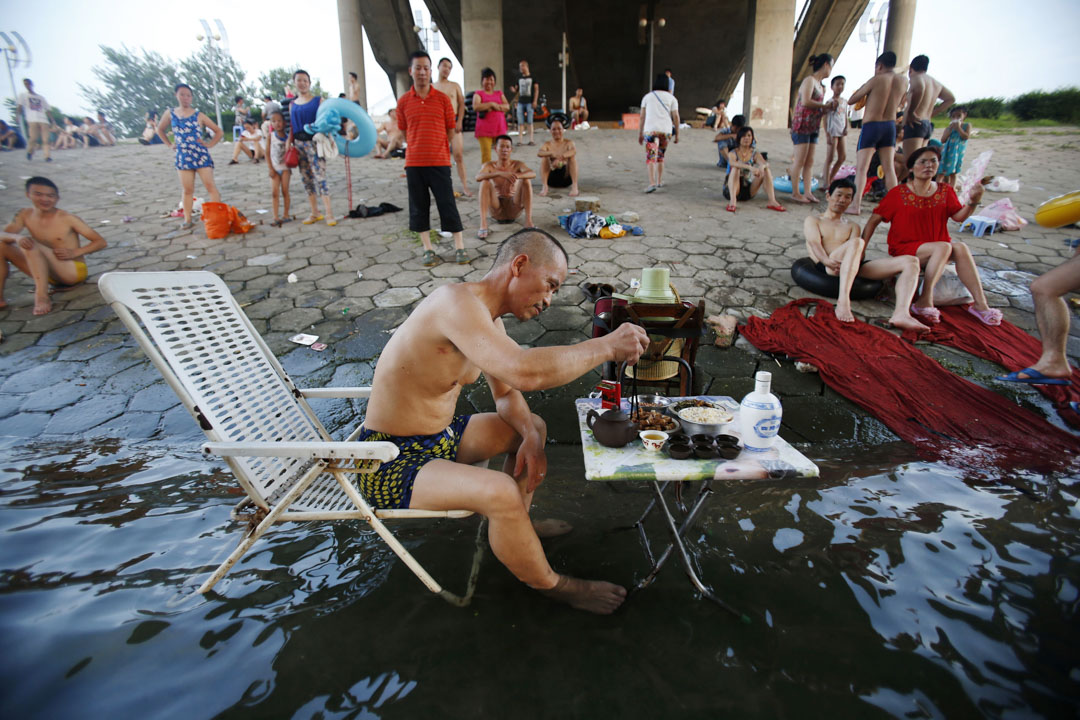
1060 211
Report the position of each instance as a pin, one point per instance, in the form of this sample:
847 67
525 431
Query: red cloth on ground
945 416
914 220
1005 344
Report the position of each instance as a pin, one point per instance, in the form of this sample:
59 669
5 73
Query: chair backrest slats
203 336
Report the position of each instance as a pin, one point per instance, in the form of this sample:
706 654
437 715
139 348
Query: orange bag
217 219
240 224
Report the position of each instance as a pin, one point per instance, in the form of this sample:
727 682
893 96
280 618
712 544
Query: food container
670 428
698 428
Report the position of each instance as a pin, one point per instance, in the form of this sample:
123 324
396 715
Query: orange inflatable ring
1060 211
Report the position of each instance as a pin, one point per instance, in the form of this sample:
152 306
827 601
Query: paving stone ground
76 373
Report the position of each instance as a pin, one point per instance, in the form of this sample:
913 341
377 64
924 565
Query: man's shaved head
540 246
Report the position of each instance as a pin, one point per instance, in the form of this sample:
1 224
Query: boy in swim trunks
49 251
883 94
833 242
505 190
923 95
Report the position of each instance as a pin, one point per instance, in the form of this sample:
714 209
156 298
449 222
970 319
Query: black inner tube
811 276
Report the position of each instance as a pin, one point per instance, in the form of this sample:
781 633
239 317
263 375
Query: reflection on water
889 587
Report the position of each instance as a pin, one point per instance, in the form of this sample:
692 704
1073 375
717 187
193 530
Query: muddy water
887 588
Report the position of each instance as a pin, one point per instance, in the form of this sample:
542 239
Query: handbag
292 157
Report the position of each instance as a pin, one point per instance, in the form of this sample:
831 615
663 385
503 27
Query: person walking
302 111
192 154
34 109
659 122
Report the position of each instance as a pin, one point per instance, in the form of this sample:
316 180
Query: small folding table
634 463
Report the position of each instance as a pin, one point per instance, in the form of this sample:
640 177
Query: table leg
677 543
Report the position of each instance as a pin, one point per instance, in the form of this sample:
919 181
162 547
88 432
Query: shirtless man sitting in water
451 337
49 251
834 243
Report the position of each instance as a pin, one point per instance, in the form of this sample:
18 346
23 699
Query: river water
888 587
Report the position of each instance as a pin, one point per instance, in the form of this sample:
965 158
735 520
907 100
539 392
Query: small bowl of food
655 419
708 419
653 402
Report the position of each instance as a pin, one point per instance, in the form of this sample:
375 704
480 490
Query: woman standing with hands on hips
659 122
806 125
192 154
302 111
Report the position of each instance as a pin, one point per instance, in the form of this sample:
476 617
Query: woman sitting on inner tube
833 243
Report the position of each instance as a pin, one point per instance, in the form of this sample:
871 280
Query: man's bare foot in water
906 322
551 527
544 191
42 305
595 596
844 314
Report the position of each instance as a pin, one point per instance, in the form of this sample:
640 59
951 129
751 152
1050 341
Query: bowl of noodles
700 417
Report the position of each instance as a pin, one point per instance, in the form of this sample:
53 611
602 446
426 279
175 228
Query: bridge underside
707 45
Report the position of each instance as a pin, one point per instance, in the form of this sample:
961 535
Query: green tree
210 67
132 85
273 82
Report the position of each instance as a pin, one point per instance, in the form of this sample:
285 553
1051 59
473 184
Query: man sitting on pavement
43 242
448 340
579 108
833 241
250 143
558 162
389 137
505 190
718 117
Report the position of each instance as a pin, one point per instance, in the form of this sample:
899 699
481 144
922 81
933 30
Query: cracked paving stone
397 297
78 418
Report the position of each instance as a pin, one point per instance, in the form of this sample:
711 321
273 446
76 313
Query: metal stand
676 535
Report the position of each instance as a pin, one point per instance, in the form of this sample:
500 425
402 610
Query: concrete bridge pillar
351 30
898 31
482 41
771 27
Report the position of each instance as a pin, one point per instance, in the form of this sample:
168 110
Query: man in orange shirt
426 116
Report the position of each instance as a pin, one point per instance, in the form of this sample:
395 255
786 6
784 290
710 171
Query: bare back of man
883 94
835 242
448 340
50 249
923 94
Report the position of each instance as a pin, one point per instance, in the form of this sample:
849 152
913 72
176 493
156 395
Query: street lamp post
651 26
210 39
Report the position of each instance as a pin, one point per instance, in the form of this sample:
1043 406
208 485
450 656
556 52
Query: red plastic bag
217 219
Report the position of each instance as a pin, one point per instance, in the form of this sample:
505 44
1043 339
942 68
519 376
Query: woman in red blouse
919 211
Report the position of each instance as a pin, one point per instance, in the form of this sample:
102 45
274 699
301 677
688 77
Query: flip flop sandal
483 233
312 219
777 208
931 313
730 208
461 257
331 222
1034 377
429 258
276 223
990 316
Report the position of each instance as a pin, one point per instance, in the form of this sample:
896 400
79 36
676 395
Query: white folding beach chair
253 415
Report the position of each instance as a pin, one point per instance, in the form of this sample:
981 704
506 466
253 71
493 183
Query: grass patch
1011 124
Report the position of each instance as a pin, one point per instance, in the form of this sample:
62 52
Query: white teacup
653 440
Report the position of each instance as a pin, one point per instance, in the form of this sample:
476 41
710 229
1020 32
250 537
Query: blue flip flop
1034 377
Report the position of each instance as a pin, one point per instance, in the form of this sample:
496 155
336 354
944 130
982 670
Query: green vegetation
1033 109
135 83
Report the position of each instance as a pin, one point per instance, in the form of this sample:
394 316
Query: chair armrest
339 392
384 451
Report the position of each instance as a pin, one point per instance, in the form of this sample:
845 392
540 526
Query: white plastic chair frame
254 417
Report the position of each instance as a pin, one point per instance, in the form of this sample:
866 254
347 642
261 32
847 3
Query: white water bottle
759 415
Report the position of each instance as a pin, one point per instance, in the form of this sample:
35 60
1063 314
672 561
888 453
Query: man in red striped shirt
426 116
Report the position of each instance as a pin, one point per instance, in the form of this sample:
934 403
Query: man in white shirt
35 111
251 142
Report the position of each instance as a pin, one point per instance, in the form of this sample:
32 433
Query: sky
977 48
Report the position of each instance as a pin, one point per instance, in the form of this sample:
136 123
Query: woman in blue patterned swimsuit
192 154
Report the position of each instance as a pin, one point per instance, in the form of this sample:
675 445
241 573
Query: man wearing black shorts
426 116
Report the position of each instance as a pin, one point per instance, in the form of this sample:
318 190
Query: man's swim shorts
922 129
877 134
390 487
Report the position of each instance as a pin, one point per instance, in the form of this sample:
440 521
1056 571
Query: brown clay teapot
613 429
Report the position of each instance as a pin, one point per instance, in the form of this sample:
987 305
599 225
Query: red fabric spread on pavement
945 416
1005 344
